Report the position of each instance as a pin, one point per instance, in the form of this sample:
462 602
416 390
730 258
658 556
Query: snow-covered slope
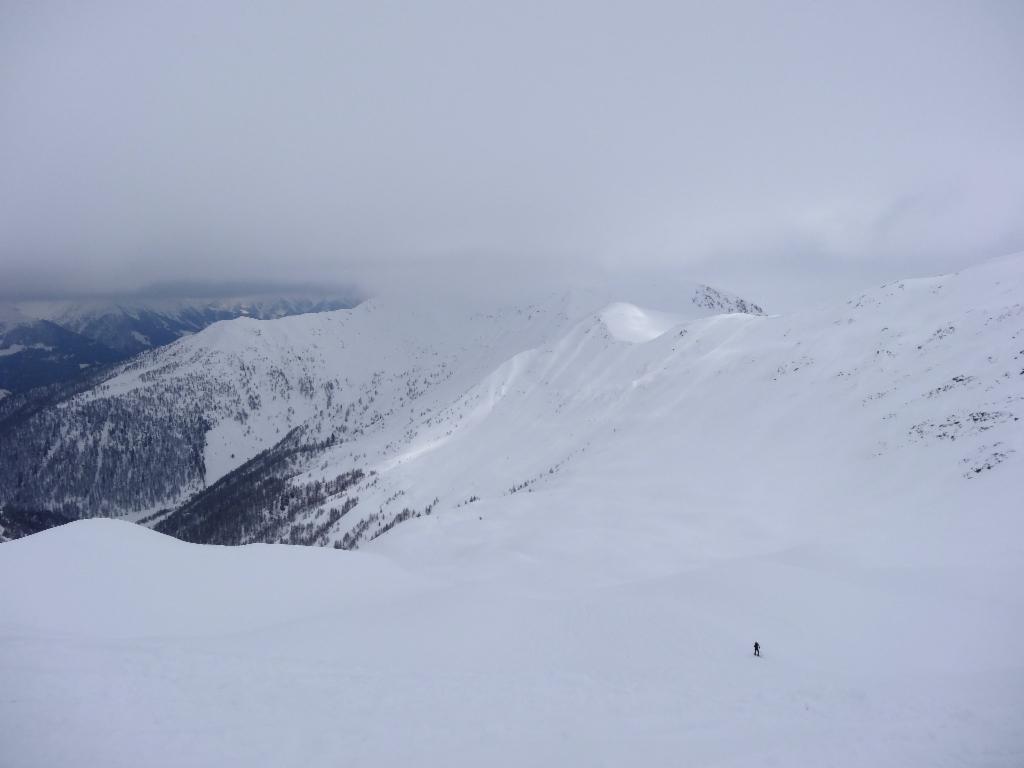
186 415
435 405
902 404
573 524
131 648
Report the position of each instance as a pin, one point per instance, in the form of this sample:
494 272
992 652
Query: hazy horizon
788 154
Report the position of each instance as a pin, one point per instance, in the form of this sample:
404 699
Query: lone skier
757 648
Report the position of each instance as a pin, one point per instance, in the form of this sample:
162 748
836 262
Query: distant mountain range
334 428
46 342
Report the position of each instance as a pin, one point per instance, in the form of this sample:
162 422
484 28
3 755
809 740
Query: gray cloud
778 147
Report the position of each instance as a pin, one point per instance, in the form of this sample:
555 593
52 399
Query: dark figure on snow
757 648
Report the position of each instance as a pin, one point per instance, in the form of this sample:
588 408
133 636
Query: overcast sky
777 148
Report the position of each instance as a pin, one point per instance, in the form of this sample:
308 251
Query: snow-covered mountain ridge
901 405
573 519
186 415
437 405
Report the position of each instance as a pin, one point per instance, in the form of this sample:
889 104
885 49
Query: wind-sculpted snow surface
574 520
907 396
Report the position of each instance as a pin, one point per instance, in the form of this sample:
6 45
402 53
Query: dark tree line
131 440
375 525
91 448
260 502
98 457
16 522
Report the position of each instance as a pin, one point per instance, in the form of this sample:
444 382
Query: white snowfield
627 500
